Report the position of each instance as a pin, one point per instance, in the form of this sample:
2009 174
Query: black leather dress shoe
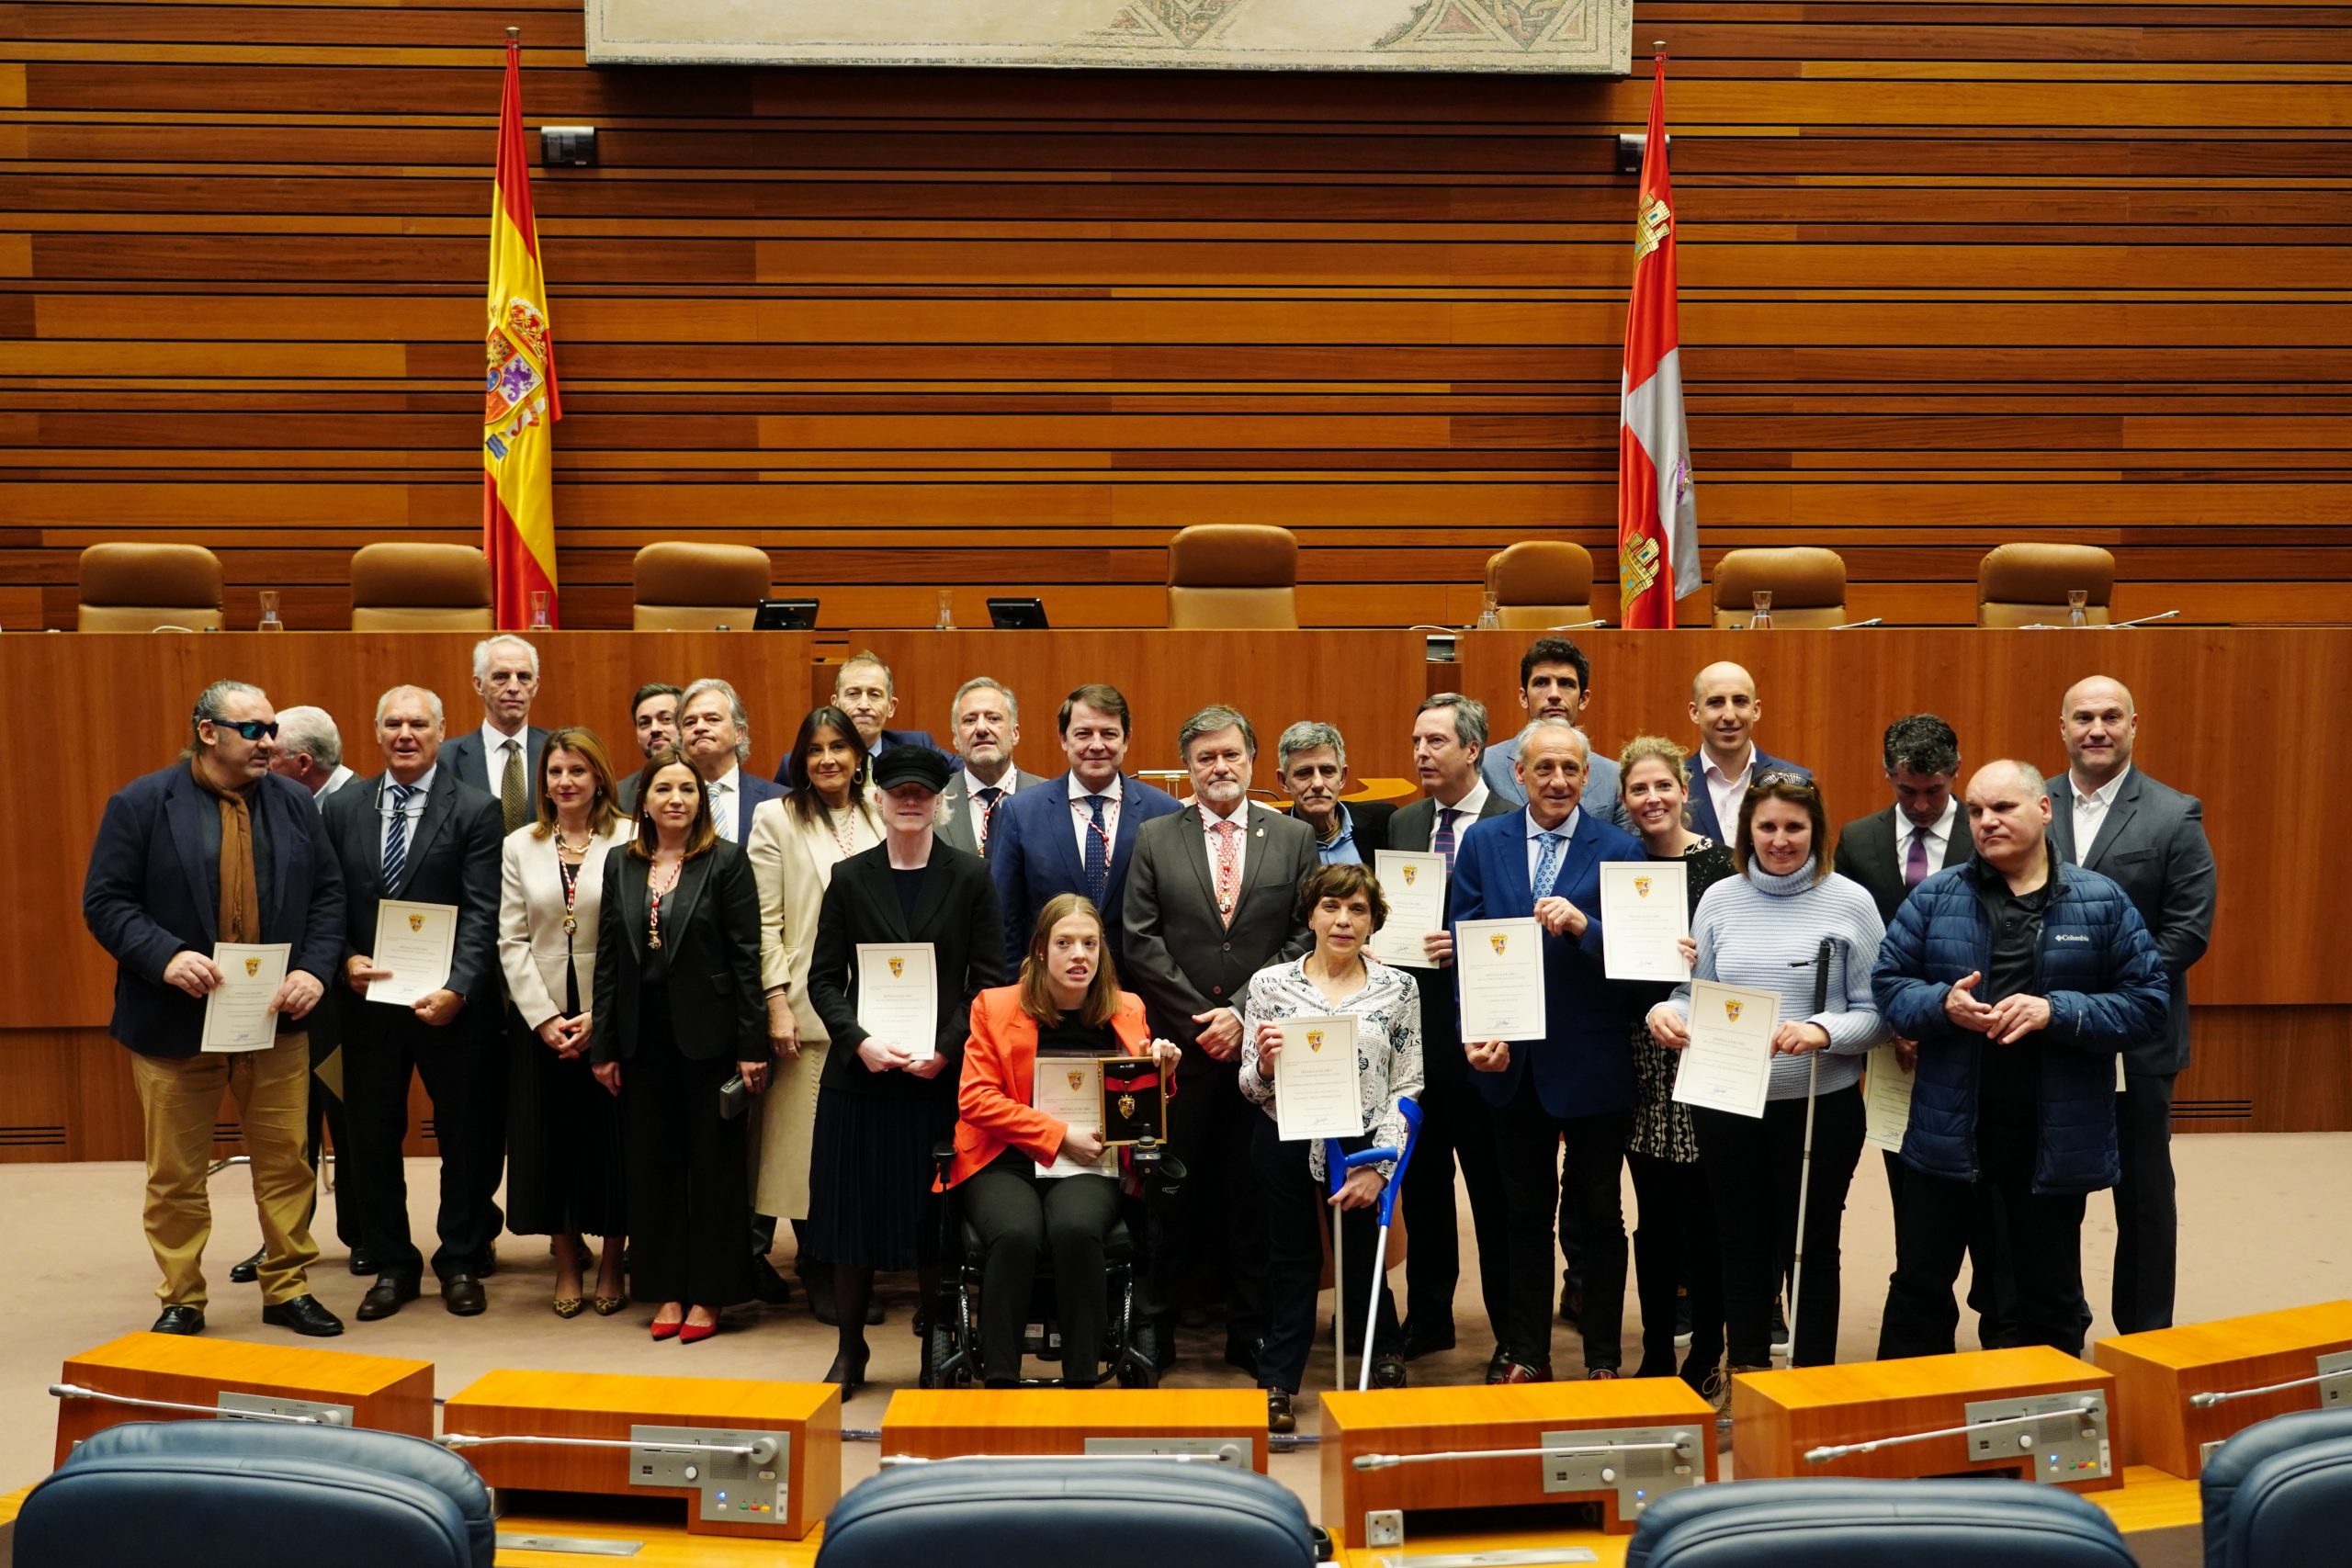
767 1285
1417 1341
303 1315
1497 1364
463 1295
245 1270
385 1297
363 1264
179 1320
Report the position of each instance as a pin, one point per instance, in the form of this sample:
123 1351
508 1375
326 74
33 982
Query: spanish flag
1658 520
520 402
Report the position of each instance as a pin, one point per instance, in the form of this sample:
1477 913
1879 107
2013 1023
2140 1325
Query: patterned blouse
1388 1011
1661 1126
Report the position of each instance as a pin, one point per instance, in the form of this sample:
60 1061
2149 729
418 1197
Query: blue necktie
1097 855
988 795
1547 864
1443 843
396 837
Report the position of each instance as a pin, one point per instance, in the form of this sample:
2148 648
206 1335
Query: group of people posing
651 1025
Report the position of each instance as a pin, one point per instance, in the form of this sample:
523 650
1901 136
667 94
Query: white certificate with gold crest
898 996
416 943
1728 1064
236 1011
1318 1091
1069 1089
1414 886
1500 969
1644 913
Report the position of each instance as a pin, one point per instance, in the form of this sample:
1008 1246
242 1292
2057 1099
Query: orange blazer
992 1099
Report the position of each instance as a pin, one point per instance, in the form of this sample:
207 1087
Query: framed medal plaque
1134 1108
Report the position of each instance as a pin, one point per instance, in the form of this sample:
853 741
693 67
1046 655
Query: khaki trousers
178 1099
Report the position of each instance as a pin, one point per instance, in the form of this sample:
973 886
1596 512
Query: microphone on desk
1858 626
2090 1409
2144 620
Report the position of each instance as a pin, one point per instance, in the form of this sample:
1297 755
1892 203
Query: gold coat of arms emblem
416 923
1730 1010
1499 941
899 970
1315 1040
252 968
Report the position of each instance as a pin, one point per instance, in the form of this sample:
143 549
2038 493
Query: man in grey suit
985 720
1555 682
2109 816
1448 738
502 757
1212 898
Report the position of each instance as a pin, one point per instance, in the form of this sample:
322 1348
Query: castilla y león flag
1657 518
520 406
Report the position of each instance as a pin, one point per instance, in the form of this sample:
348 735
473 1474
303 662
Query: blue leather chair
1835 1523
2279 1494
217 1493
1137 1512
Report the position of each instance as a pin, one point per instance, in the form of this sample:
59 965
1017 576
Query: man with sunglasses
216 849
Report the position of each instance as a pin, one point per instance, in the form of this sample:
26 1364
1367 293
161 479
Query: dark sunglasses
251 728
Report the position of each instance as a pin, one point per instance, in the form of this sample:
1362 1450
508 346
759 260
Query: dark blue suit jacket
1032 855
149 895
754 790
1584 1065
464 756
889 738
1702 809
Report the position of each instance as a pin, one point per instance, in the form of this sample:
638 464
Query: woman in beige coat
564 1166
795 843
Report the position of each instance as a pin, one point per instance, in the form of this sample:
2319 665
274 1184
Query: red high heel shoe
667 1330
696 1332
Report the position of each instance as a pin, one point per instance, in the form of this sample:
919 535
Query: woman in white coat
796 843
564 1177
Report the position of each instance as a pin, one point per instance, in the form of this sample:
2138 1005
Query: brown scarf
240 894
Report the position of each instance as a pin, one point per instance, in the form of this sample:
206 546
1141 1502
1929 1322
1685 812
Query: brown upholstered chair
2026 584
149 588
1233 577
411 587
1807 584
1540 583
687 587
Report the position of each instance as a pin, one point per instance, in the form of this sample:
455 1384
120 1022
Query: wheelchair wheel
942 1367
1138 1365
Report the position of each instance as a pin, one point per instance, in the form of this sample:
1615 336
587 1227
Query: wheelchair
951 1346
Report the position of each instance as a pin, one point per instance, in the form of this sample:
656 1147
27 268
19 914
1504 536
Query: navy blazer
1584 1065
464 753
753 791
889 738
453 857
1033 855
1702 809
149 896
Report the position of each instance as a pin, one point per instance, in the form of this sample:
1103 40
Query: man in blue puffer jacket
2021 977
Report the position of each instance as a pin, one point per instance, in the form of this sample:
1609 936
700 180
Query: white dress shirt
1727 790
726 803
335 781
494 759
2091 807
1082 820
1938 839
1465 811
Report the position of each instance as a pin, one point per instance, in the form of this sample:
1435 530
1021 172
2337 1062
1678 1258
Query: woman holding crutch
1764 928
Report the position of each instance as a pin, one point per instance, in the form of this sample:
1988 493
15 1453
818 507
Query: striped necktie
396 837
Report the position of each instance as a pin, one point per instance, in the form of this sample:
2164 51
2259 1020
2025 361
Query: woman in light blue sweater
1764 928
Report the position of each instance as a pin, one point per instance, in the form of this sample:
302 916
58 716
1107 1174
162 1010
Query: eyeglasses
1784 780
251 728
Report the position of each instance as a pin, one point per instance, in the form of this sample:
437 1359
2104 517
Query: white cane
1804 1167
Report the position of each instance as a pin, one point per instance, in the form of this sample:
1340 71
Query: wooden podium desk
1497 1422
2157 1373
607 1406
950 1423
387 1394
1779 1417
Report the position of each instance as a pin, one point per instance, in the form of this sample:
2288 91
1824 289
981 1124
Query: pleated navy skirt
870 1204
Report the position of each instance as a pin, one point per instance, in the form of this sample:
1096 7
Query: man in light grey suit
985 722
1212 898
1555 682
502 757
2109 816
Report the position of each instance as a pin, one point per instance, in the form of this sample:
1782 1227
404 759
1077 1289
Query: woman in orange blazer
1067 1003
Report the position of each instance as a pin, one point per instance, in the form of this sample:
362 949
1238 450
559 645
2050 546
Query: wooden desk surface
942 1423
1970 1373
692 1401
2157 1371
246 1366
2324 1325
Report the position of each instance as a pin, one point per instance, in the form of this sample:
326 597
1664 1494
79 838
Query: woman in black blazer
680 905
879 1108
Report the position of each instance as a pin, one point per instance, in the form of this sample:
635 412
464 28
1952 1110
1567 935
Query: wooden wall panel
1952 274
